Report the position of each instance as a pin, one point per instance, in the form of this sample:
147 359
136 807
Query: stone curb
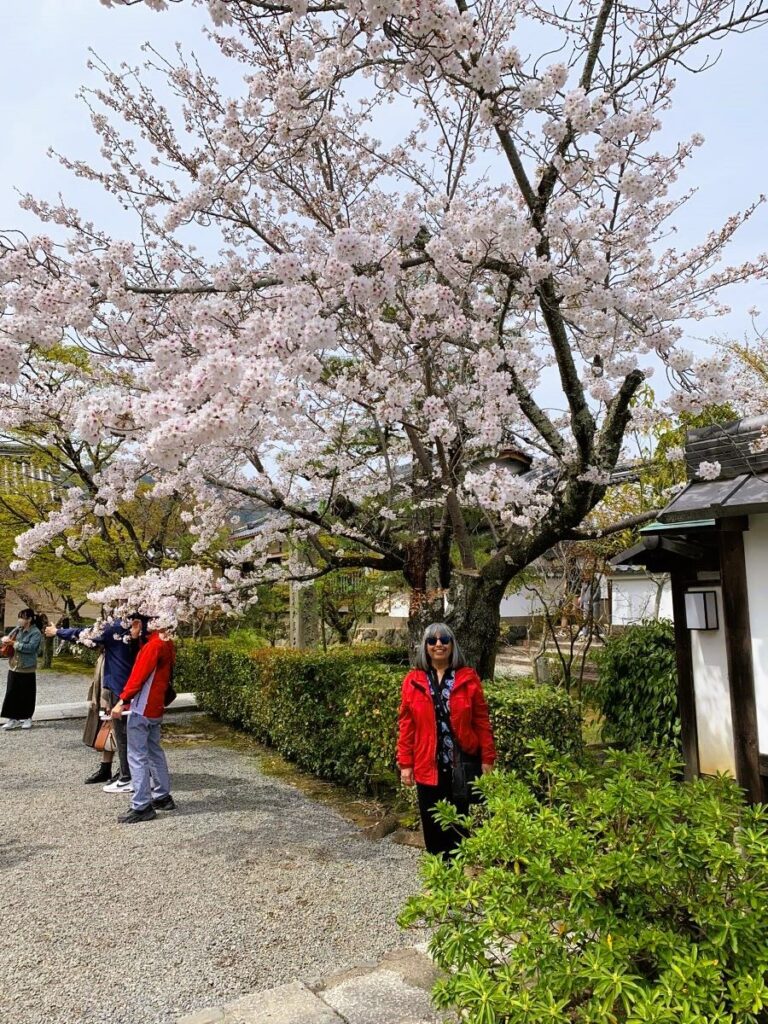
394 991
79 709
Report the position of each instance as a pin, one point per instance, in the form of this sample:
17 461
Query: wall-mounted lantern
701 609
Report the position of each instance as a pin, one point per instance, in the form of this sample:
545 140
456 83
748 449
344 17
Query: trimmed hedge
334 714
523 710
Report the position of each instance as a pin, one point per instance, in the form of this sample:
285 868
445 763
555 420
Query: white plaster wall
40 602
713 703
399 605
520 605
634 599
756 557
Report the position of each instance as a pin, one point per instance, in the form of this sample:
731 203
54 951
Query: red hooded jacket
151 673
468 712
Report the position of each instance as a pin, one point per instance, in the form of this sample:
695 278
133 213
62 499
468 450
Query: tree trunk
470 606
48 652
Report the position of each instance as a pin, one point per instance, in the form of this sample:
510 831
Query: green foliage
268 617
636 688
603 895
521 710
335 713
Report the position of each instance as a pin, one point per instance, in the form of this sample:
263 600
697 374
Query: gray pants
149 768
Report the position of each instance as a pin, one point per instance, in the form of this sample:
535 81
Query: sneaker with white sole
12 723
119 786
27 723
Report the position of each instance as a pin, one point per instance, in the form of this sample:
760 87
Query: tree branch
624 524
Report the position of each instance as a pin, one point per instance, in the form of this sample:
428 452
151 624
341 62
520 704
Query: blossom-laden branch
355 333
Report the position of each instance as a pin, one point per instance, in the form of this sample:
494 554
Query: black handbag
467 768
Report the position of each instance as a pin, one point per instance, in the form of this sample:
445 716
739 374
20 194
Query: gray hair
439 629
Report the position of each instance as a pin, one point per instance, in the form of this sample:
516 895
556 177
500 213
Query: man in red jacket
146 691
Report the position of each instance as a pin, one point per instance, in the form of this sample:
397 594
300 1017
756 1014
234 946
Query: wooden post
686 694
738 644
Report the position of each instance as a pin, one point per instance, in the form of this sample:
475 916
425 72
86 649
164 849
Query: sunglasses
444 640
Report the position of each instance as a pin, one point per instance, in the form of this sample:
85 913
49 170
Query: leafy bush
335 714
602 895
636 688
522 710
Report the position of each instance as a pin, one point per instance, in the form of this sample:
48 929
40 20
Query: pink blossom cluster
346 330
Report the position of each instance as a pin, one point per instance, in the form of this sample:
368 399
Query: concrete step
394 991
520 663
79 709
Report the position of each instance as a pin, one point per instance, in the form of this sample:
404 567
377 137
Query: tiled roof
732 445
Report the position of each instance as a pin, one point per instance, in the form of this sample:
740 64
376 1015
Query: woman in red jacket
442 713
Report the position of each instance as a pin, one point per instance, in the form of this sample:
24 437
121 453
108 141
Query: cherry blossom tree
421 232
77 523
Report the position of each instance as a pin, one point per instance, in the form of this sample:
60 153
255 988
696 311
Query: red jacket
151 673
417 740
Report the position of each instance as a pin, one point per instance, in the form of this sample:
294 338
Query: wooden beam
738 645
686 695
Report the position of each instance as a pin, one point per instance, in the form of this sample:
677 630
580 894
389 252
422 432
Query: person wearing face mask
21 690
443 719
121 645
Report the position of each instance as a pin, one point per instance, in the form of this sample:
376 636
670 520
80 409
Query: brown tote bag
105 739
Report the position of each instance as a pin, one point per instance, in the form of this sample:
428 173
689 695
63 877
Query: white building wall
634 599
520 605
713 702
756 557
40 602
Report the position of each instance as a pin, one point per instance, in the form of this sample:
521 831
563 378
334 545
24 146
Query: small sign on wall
701 609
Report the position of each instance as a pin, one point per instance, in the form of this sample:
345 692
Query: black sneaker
165 803
102 774
145 814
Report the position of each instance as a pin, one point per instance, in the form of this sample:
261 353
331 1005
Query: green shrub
334 713
602 895
522 710
636 688
86 656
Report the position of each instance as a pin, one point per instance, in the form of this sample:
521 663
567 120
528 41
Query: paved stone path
249 885
394 991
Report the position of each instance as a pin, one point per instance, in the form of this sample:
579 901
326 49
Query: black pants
437 839
120 731
20 695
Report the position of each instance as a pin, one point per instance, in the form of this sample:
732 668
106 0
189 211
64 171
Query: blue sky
44 49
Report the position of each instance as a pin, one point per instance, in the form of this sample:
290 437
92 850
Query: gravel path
247 885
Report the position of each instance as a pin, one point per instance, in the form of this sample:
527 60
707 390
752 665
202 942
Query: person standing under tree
147 692
21 690
121 645
443 719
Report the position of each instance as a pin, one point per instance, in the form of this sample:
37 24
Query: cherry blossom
347 331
